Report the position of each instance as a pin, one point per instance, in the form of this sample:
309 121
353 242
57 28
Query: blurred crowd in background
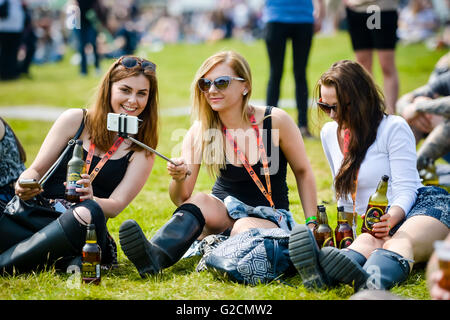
51 27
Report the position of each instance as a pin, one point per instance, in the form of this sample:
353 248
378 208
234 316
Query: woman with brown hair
362 144
235 141
130 87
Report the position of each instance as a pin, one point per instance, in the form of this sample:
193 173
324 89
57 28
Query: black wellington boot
167 246
384 269
42 248
342 265
304 254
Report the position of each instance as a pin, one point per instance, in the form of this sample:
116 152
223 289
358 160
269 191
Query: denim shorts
432 202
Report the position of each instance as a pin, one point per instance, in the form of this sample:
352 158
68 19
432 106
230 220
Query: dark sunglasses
221 83
131 62
325 107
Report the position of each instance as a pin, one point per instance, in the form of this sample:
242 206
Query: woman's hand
381 229
26 193
178 172
86 192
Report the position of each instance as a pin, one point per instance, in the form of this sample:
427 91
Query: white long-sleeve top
393 153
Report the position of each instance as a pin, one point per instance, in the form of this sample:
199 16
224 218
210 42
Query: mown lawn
60 85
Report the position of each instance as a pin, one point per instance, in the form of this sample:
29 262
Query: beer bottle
431 178
323 233
377 206
75 167
343 232
91 258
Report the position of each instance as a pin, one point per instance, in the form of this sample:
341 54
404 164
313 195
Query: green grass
60 85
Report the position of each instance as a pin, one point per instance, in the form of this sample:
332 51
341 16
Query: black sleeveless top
104 183
235 181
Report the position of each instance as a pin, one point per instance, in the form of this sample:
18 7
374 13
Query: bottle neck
323 219
382 187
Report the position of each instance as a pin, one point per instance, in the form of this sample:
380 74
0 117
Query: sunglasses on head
131 62
221 83
325 107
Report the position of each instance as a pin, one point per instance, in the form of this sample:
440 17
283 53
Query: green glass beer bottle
377 206
343 232
91 258
75 168
323 233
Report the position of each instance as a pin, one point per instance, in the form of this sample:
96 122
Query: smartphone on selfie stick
125 125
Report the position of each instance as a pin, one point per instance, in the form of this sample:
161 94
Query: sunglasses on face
325 107
221 83
131 62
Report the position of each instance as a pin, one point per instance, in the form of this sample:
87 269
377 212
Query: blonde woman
224 118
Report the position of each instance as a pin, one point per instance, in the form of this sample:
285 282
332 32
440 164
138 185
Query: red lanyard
251 172
105 158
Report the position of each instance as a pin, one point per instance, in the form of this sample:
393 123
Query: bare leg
414 239
244 224
390 78
365 244
217 219
215 213
364 57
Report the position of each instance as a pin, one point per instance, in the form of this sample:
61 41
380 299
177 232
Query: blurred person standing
372 25
12 19
297 20
87 34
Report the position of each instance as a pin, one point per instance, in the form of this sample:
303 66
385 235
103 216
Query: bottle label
72 179
328 242
344 243
90 270
372 216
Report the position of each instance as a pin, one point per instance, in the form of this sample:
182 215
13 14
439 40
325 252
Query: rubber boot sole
304 254
340 268
136 247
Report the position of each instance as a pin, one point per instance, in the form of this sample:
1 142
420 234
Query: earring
245 93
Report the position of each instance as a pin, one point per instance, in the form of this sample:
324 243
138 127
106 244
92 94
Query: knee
89 212
369 240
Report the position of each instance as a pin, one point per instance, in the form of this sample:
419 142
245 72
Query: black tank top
104 183
235 181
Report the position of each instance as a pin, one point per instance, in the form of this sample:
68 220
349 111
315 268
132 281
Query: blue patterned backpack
252 257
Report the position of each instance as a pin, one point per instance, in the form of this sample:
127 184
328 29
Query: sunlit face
130 95
220 100
329 96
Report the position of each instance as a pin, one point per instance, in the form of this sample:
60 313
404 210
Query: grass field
60 85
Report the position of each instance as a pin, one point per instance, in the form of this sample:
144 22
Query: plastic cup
442 249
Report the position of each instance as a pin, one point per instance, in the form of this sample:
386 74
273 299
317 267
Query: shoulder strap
69 144
267 125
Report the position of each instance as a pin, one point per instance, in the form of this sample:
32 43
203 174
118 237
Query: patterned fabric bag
252 257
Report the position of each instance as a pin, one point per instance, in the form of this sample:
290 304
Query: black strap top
235 181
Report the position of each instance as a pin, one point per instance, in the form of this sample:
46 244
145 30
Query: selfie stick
123 134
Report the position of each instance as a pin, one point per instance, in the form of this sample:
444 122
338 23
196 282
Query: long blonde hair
210 141
97 113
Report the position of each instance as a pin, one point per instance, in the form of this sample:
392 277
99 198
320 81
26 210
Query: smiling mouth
129 109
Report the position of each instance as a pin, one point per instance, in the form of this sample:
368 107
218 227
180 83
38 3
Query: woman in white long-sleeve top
362 144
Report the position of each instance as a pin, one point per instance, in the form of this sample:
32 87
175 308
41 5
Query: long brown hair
211 146
360 108
22 153
97 113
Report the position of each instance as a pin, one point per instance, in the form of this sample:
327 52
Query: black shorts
368 33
